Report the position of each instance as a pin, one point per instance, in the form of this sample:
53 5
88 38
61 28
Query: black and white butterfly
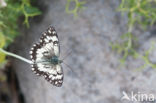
45 57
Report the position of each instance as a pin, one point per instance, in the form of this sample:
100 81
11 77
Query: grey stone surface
97 77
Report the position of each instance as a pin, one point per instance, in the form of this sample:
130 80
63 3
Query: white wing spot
53 78
30 52
50 76
56 50
56 82
34 45
32 69
54 38
46 40
59 76
54 32
58 68
60 81
49 31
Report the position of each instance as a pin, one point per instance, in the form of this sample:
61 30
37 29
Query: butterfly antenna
68 67
71 69
67 55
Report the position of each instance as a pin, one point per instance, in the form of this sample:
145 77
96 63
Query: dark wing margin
55 75
47 47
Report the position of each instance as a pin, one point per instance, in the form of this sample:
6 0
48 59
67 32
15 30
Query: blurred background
113 44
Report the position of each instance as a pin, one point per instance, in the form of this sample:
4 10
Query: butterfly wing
43 51
55 75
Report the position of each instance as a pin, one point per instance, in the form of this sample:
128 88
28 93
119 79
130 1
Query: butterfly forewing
42 52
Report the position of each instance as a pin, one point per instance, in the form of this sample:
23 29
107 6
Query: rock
97 76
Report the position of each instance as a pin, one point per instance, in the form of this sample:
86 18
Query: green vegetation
9 17
140 13
78 6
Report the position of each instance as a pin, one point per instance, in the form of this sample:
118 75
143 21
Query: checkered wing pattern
42 52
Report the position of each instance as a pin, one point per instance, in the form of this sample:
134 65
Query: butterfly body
54 60
45 58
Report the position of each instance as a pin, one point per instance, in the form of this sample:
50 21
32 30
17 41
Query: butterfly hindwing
42 52
55 77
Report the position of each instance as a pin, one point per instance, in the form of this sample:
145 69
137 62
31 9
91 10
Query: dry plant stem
16 56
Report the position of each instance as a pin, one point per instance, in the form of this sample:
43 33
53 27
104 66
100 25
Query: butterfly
45 58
